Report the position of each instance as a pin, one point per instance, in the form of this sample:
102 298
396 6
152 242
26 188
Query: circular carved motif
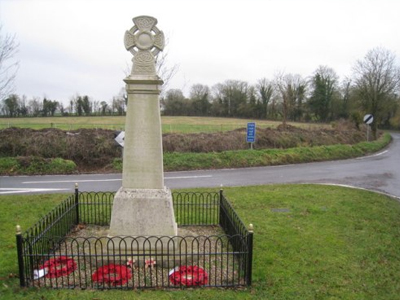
145 41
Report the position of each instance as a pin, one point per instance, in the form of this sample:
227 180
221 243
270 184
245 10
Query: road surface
379 172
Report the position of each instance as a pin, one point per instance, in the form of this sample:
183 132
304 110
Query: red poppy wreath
188 276
112 274
60 266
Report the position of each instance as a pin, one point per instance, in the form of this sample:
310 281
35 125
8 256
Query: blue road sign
251 132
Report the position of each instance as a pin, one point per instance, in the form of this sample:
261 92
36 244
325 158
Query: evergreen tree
324 85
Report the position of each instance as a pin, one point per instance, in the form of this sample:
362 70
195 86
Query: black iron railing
69 247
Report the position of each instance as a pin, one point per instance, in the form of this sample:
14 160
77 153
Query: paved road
379 172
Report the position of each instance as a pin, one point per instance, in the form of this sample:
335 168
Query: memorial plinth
143 157
143 205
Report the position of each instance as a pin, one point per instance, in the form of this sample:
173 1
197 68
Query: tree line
16 106
373 88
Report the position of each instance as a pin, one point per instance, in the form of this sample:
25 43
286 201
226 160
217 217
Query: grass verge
177 161
36 165
267 157
311 242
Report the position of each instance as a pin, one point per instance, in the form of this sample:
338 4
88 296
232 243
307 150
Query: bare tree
95 106
119 102
345 89
377 82
104 106
118 105
35 106
8 68
199 91
231 95
163 69
292 90
200 99
265 90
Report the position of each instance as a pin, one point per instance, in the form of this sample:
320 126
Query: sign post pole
368 119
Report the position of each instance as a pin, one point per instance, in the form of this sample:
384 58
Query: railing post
221 216
77 204
21 267
250 254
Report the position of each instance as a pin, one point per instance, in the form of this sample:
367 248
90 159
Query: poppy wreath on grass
60 266
188 276
112 274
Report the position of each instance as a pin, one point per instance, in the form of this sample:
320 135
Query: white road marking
189 177
107 180
70 181
358 188
4 191
373 155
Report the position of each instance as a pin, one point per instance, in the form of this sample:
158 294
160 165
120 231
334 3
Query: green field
169 124
310 242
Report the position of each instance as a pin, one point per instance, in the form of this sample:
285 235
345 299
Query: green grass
169 124
35 165
267 157
311 242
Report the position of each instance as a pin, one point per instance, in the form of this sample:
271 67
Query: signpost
120 138
251 133
368 119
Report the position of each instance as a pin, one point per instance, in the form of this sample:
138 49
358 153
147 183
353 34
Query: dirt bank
95 149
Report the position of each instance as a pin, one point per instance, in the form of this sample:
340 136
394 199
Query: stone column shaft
143 157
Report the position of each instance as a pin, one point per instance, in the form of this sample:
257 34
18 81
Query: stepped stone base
143 213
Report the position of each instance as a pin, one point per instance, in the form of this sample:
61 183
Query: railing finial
251 228
18 229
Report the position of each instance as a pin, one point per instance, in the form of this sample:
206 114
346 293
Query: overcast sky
69 47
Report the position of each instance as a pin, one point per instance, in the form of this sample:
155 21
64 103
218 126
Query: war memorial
144 235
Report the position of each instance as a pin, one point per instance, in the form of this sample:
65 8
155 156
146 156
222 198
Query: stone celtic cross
144 40
143 205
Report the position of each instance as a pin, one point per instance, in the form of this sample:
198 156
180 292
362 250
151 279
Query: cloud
69 47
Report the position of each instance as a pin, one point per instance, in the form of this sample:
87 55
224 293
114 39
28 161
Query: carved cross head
144 40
